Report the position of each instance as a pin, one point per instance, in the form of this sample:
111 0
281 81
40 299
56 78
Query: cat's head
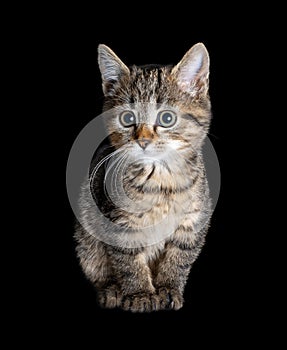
155 109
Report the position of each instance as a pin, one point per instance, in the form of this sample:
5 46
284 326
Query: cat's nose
143 143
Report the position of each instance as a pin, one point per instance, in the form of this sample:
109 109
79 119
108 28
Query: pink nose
143 143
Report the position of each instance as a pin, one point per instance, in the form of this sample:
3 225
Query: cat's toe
137 303
159 302
168 299
177 301
109 298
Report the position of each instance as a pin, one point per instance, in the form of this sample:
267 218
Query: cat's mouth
150 153
147 146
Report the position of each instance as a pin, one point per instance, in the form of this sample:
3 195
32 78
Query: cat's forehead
149 83
142 109
149 71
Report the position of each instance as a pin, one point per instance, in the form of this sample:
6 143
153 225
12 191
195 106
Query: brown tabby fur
130 274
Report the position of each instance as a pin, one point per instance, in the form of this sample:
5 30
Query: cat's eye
166 119
127 119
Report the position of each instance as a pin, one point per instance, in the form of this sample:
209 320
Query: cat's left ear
111 67
192 72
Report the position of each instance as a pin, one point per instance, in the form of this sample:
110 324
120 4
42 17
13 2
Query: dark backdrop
220 291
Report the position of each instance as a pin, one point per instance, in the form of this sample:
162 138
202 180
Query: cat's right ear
111 67
192 72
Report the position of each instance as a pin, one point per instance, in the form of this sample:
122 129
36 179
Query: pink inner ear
189 70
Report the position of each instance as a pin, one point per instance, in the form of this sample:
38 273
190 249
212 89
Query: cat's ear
111 67
191 73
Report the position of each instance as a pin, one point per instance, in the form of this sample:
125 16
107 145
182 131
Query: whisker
93 174
121 161
118 161
213 135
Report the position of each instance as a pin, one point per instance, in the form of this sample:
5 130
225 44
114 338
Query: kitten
148 182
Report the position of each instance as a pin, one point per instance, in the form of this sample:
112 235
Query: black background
221 296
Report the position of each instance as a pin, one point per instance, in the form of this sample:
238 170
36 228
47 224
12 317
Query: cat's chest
152 253
156 177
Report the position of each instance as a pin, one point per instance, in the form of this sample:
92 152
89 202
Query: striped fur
134 264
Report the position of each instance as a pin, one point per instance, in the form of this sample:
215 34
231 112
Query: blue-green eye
127 119
166 119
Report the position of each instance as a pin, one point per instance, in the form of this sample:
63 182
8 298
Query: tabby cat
150 212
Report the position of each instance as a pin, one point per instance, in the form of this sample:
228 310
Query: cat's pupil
129 118
167 118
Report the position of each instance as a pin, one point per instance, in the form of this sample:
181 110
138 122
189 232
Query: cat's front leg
95 263
172 274
134 277
109 296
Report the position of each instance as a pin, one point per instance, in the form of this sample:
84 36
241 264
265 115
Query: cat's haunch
148 183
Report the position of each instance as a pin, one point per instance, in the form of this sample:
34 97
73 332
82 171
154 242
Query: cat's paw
140 302
109 297
167 298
